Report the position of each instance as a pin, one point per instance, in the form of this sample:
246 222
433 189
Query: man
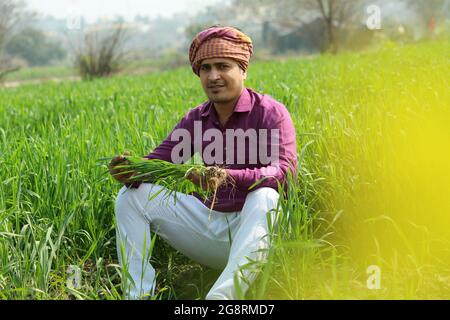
236 230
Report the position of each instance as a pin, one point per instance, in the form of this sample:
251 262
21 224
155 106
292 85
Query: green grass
168 61
41 73
373 144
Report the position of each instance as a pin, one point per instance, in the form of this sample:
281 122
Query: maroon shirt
252 111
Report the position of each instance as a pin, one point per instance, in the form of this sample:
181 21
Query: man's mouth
215 87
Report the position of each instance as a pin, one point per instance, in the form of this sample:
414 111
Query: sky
94 9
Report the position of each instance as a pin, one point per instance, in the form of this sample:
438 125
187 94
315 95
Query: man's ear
244 74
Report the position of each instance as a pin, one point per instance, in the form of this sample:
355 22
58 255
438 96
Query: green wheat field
373 134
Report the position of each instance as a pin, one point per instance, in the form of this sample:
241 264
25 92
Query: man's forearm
268 176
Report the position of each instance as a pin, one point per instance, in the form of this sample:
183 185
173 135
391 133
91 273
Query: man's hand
118 174
213 178
197 179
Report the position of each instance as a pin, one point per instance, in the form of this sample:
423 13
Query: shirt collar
244 104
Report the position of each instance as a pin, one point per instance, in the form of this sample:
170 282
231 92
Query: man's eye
223 66
204 68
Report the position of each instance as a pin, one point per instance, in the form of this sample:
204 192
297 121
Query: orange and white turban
220 42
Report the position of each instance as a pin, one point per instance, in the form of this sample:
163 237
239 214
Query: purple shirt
252 111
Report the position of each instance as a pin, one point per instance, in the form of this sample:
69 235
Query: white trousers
195 231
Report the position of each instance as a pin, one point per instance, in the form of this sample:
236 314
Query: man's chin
218 99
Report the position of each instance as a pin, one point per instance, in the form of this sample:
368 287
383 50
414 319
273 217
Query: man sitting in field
236 230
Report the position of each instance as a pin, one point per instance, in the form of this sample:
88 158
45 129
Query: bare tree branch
101 53
335 15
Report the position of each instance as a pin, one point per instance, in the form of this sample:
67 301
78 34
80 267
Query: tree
336 15
34 47
101 53
430 12
10 13
193 29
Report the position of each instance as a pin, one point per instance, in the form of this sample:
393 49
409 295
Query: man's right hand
118 174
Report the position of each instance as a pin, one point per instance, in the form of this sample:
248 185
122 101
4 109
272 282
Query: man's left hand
202 181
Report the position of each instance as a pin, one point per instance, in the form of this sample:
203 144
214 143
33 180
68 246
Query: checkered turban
220 42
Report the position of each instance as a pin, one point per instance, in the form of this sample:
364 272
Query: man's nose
213 74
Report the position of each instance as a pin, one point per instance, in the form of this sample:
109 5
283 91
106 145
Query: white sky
93 9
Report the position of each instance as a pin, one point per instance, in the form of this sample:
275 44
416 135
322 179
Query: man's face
222 79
